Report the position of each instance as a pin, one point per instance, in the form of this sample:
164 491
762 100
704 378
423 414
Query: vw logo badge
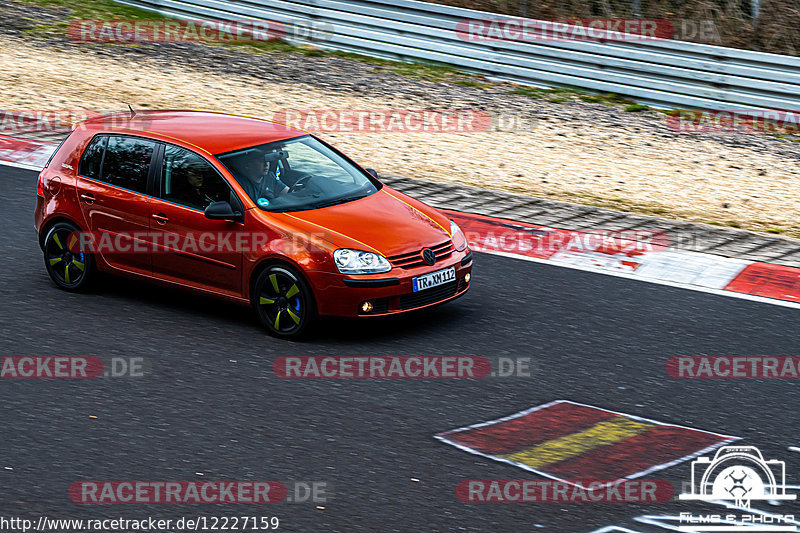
428 256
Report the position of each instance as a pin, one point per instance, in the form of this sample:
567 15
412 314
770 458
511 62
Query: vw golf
242 209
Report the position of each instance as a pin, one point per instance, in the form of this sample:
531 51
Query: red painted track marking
528 430
530 434
771 281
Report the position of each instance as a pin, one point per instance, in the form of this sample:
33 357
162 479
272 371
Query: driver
195 194
255 169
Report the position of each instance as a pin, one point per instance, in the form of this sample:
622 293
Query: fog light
366 307
466 278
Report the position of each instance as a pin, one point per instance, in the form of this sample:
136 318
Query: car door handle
88 198
161 218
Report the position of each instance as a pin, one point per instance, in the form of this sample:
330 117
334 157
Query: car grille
414 300
414 259
428 296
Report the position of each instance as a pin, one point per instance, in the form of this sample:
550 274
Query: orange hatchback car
243 209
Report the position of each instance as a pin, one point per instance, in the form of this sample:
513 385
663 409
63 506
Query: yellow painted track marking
569 446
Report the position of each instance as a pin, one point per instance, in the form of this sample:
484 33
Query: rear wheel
69 267
283 301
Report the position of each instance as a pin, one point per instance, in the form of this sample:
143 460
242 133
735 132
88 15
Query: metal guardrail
668 73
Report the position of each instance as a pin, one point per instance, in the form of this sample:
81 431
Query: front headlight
358 262
459 241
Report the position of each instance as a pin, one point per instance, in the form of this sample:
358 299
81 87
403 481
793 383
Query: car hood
388 222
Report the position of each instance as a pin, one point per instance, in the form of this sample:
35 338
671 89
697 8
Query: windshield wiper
337 201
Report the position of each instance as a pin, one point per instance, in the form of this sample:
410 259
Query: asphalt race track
211 404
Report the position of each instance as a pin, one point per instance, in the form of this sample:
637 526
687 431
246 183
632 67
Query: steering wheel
302 180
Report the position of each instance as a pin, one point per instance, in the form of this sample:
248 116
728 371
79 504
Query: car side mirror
372 172
222 211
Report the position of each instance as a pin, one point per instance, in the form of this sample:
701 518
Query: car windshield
297 174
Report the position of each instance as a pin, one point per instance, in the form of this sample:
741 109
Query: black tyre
283 302
69 267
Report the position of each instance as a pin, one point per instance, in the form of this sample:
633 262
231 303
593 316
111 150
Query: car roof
213 132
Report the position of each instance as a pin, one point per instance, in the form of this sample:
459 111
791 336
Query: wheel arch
278 260
52 222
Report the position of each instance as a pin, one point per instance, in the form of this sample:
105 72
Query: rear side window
93 158
127 162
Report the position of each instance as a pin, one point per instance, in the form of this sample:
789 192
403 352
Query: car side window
93 158
188 179
127 162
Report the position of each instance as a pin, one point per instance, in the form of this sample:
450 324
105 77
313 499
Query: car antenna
133 113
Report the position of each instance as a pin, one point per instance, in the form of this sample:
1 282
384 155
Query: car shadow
183 300
328 329
412 324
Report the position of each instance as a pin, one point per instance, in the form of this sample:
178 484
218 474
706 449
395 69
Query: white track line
627 275
26 166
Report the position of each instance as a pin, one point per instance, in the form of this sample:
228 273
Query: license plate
434 279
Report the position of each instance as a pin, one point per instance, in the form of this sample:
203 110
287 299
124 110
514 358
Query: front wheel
283 301
69 267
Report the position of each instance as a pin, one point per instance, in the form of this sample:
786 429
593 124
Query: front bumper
389 293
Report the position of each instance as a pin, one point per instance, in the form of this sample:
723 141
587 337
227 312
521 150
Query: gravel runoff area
573 151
